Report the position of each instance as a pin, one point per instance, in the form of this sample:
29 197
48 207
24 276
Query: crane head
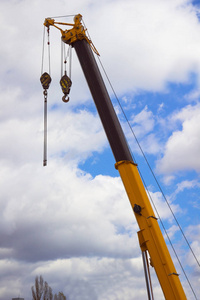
69 36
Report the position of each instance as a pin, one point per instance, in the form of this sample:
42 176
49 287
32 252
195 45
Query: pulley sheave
45 80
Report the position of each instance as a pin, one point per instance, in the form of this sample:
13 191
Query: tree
43 291
38 289
60 296
47 294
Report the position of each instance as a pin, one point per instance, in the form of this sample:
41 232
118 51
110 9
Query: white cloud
66 214
167 180
70 135
160 43
182 148
75 135
77 230
193 235
144 122
157 44
83 278
193 95
162 207
143 126
186 184
172 231
151 144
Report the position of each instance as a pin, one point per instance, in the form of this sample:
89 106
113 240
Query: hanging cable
62 50
48 43
45 129
45 80
70 61
43 42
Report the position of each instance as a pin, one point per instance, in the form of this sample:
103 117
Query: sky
71 221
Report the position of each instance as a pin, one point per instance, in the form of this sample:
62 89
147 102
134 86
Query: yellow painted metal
77 32
150 235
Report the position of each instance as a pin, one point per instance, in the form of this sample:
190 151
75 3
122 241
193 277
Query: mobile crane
150 236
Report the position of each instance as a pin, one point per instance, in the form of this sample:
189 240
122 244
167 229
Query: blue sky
71 222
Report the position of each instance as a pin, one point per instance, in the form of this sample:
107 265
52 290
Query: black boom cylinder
102 101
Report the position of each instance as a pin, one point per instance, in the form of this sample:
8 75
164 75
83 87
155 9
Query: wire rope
43 41
43 51
62 46
45 131
70 61
49 58
45 92
65 57
62 16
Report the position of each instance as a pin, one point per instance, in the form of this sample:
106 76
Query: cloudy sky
71 221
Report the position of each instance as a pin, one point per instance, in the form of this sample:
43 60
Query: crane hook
64 99
65 83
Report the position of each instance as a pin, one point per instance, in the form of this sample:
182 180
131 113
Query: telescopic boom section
150 235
